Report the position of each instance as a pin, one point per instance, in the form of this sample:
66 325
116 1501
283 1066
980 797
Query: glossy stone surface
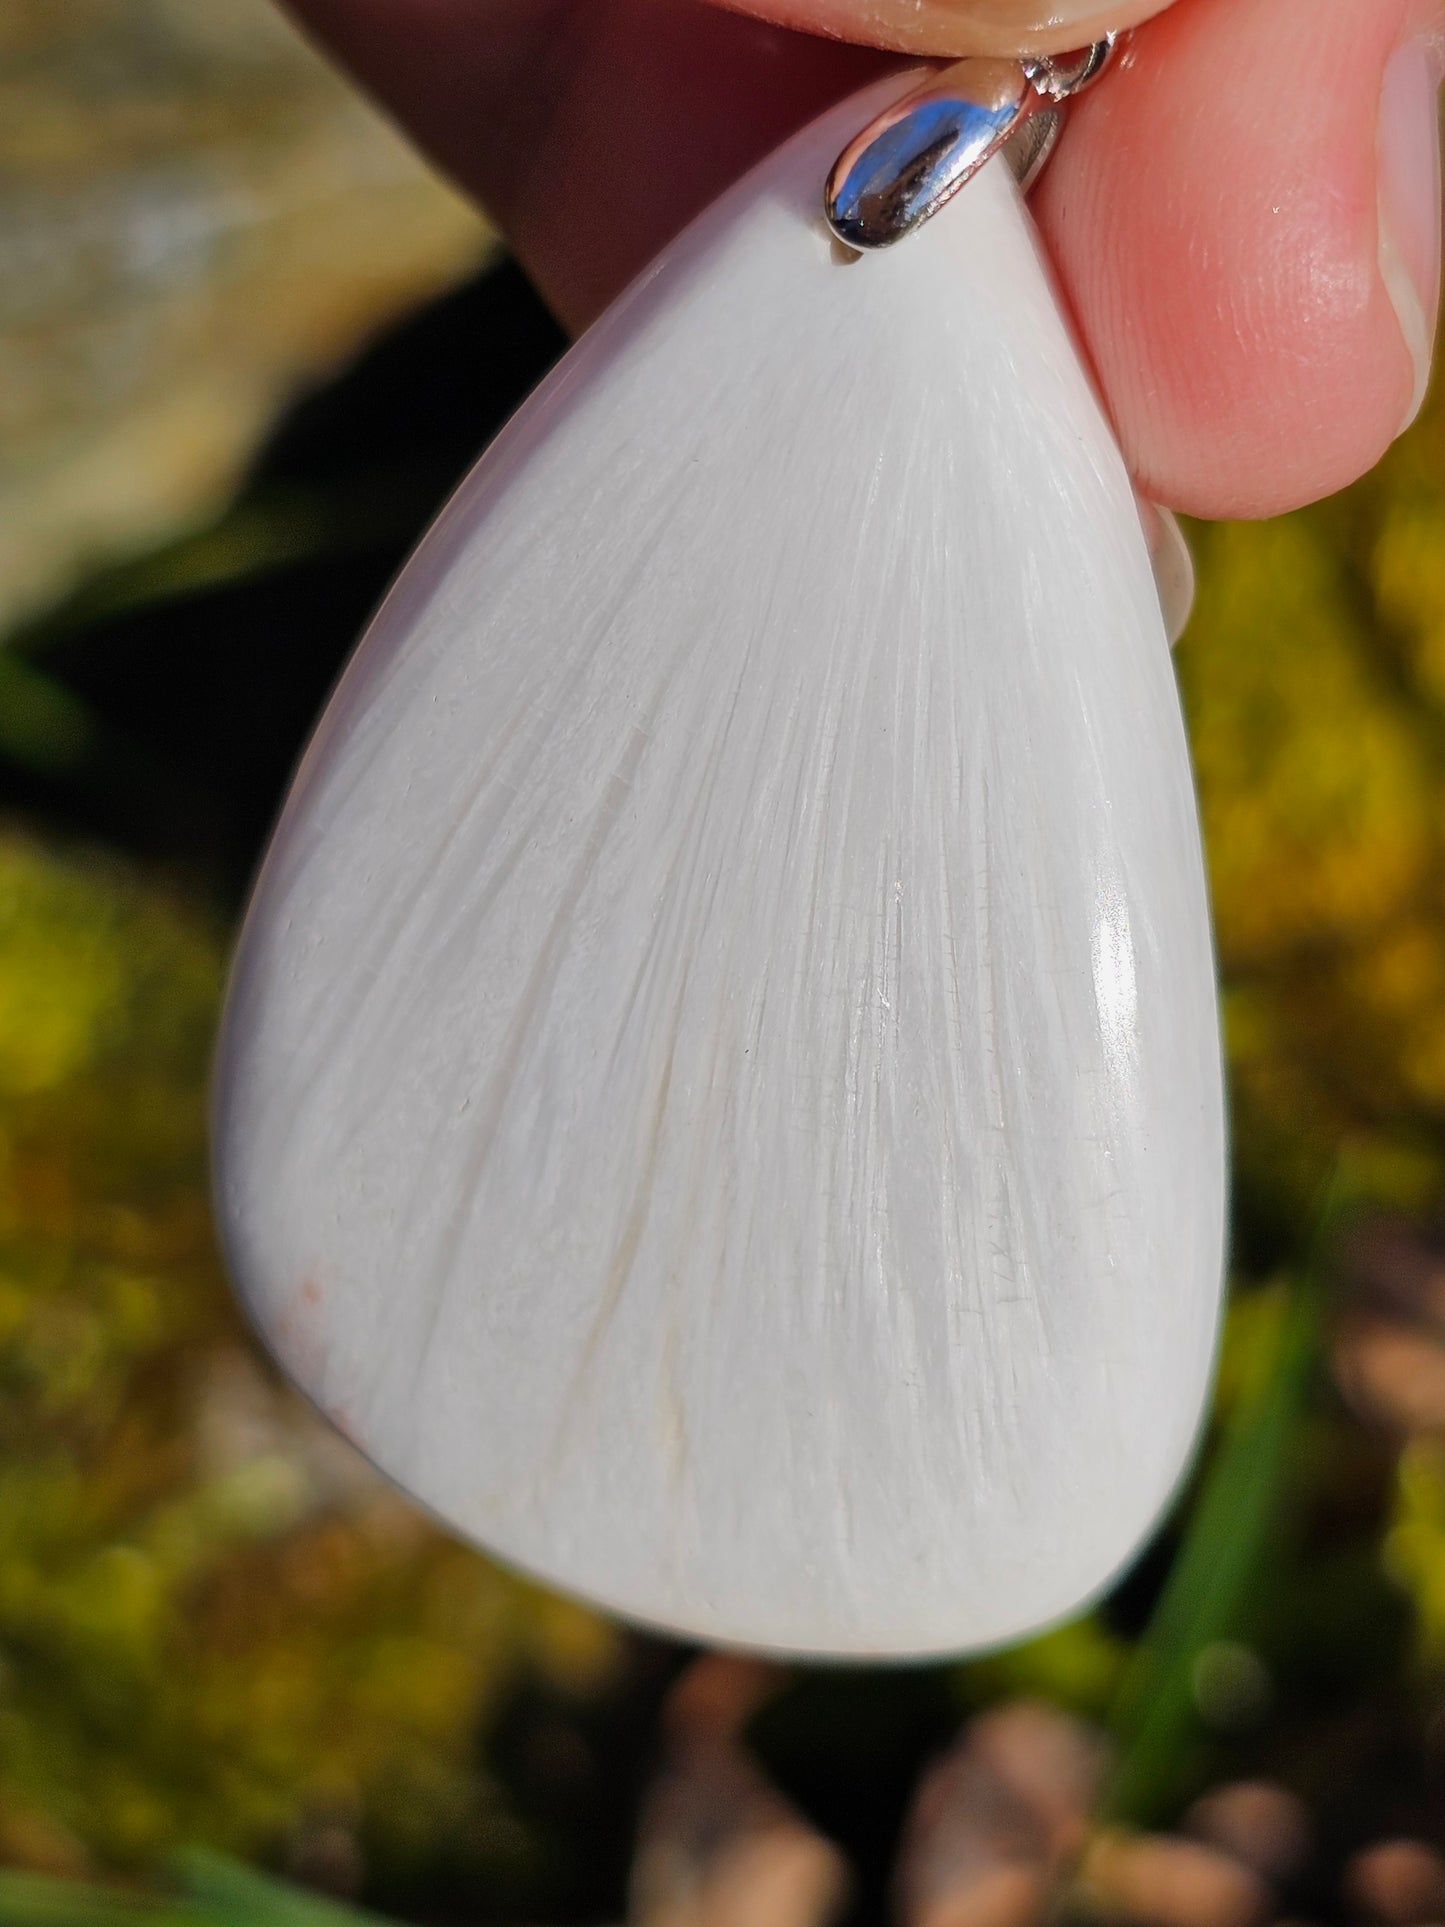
721 1090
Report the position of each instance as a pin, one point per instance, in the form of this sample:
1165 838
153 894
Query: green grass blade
1226 1548
212 1891
41 1900
231 1890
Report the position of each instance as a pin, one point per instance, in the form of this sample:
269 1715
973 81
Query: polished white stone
721 1093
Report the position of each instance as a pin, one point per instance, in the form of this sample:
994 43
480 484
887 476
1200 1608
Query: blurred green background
246 346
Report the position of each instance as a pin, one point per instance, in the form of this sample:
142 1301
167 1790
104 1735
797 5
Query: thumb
1246 221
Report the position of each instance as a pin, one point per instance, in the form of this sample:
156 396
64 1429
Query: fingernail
989 26
1409 162
1173 567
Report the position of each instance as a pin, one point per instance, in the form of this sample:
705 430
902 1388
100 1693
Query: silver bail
905 165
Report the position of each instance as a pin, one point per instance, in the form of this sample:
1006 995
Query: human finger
1246 220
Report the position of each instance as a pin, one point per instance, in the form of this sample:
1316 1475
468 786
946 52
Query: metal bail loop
905 165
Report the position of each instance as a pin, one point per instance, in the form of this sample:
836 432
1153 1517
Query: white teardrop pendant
721 1096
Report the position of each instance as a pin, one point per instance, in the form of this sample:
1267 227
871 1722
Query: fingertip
1215 216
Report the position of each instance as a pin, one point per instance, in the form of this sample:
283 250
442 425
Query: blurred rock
1400 1882
1169 1882
998 1819
718 1846
1391 1373
1263 1826
718 1694
197 218
1054 1764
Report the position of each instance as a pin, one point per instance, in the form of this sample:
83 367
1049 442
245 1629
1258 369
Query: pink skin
1216 226
1214 211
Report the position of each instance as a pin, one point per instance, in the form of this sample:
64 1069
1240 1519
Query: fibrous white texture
721 1091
